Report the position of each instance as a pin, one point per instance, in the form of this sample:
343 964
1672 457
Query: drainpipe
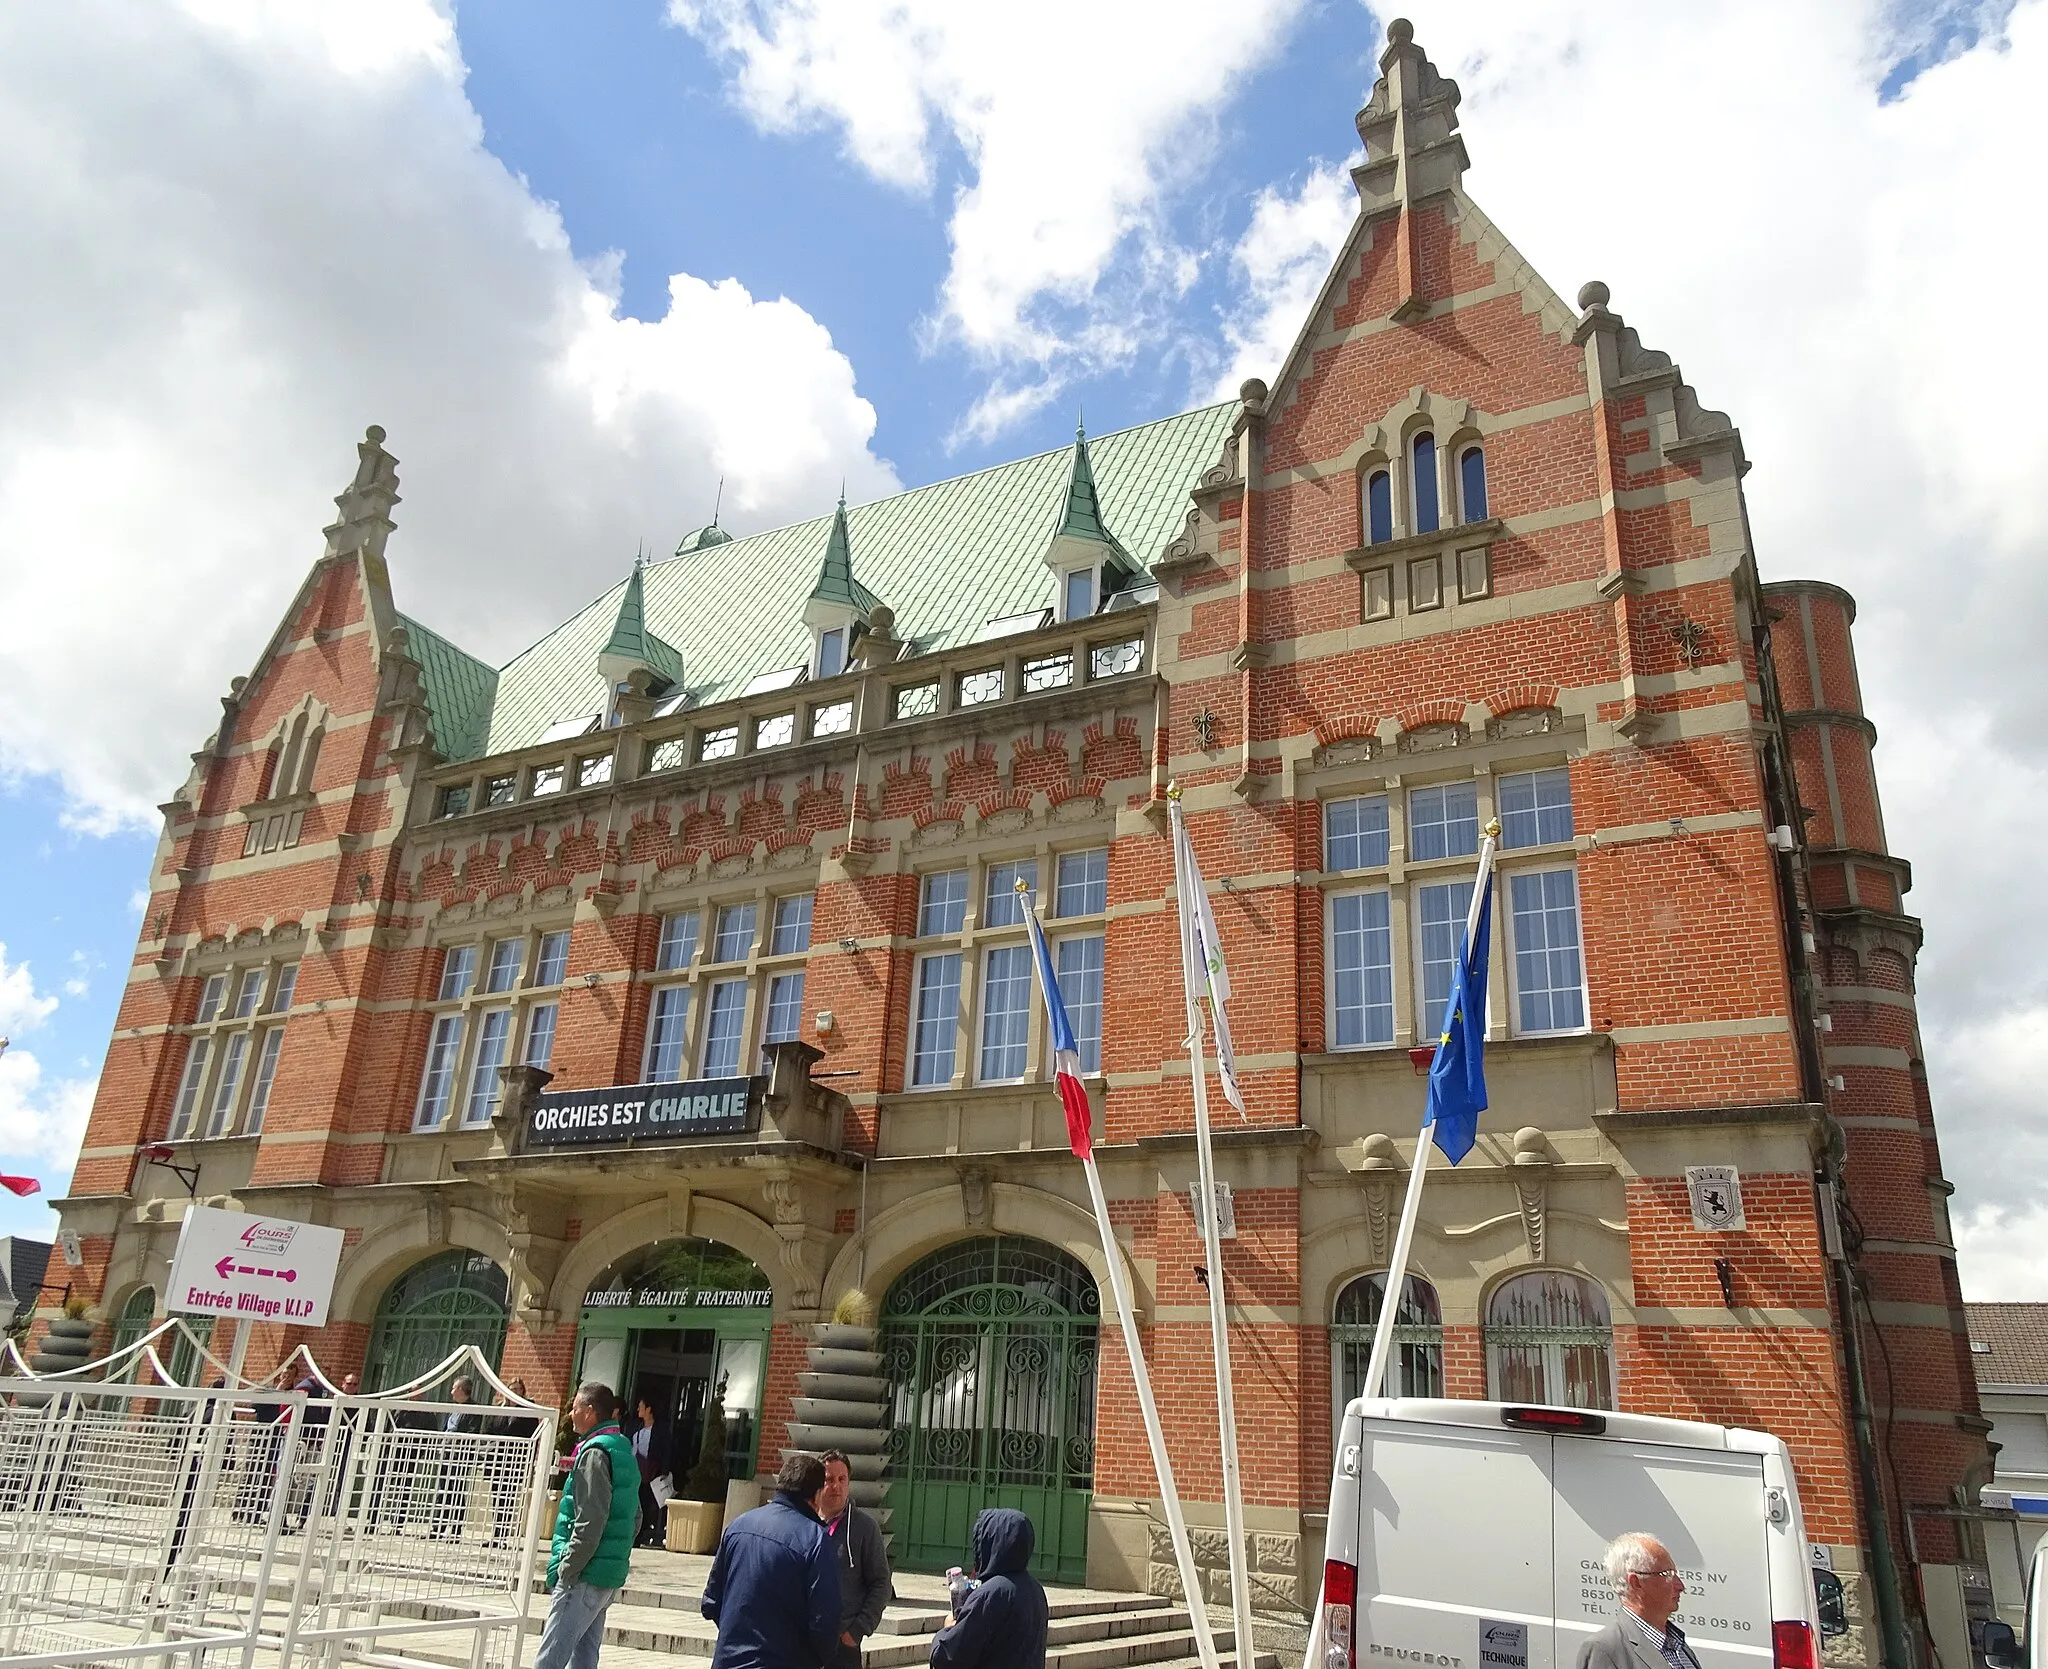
1250 651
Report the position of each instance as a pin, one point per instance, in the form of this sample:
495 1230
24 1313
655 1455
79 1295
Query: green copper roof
948 558
703 538
632 641
1081 515
836 583
459 690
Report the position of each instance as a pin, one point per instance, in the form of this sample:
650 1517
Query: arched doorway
433 1309
989 1348
679 1322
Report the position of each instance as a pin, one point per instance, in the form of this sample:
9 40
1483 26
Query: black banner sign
646 1112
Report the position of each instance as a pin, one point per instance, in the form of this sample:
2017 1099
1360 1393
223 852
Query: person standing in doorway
1645 1580
594 1532
862 1560
509 1470
458 1472
650 1448
1002 1623
774 1588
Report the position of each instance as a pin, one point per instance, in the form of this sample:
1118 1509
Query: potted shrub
697 1514
67 1341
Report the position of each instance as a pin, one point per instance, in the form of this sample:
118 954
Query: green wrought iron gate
989 1347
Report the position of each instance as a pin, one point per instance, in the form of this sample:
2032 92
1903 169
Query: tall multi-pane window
668 1014
678 942
1550 992
1005 1012
1081 883
1443 822
791 929
935 1018
437 1082
266 1076
1379 507
1079 600
1077 964
1549 1340
1535 808
1472 484
1415 1365
231 1060
540 1035
735 933
785 1009
493 1046
458 968
501 973
942 903
1422 478
551 965
1355 832
1361 969
1441 909
1002 904
725 1018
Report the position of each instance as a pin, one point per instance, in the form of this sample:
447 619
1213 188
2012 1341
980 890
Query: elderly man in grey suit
1644 1579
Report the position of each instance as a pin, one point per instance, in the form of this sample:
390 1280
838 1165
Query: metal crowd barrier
163 1524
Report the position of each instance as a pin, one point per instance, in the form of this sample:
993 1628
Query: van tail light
1340 1598
1792 1646
1575 1420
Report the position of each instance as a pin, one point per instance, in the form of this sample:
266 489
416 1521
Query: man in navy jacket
1002 1623
774 1587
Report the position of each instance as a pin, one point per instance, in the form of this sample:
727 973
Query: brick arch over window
380 1258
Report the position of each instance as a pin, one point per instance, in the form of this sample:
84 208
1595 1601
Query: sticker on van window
1503 1645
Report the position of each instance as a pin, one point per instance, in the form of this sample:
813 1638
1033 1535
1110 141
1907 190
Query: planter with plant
697 1514
67 1342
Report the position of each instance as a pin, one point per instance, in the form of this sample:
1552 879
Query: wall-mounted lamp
849 944
162 1153
592 977
363 884
1724 1272
1678 826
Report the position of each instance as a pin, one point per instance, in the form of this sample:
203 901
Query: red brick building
750 824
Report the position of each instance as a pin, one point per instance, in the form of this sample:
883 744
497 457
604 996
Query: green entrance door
989 1348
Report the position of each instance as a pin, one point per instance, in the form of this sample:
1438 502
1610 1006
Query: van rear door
1454 1545
1707 1506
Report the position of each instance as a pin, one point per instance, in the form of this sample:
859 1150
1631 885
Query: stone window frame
195 1115
1402 877
758 969
521 1000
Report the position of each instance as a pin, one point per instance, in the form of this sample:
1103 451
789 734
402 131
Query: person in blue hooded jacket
1001 1624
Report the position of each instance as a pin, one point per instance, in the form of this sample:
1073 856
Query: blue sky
584 261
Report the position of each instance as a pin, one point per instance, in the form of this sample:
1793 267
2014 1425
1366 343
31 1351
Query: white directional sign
229 1263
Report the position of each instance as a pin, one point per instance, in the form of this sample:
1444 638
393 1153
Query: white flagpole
1219 1321
1162 1463
1404 1237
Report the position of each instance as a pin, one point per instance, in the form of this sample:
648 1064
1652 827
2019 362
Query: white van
1469 1535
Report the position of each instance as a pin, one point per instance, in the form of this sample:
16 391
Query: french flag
1066 1054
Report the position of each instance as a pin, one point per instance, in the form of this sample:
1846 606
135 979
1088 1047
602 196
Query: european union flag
1457 1076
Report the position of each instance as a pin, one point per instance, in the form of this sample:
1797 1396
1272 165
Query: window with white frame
1077 965
734 935
942 903
1549 1339
784 1016
668 1015
1415 1364
832 652
1005 1013
790 928
1472 485
496 1003
935 1018
236 1040
1077 594
749 983
1374 917
1376 507
1003 904
725 1020
1081 883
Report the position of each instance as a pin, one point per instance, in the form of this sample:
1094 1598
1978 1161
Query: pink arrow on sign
228 1266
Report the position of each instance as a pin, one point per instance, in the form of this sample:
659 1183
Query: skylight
672 702
1009 625
780 679
562 729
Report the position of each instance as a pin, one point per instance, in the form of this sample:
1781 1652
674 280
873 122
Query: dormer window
832 652
1077 594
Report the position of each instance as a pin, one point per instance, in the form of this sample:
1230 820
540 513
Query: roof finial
718 503
842 492
1080 421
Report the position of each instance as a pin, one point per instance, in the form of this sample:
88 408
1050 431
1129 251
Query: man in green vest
594 1533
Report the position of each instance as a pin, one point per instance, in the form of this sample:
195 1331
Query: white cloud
1837 274
1078 122
238 232
22 1007
1280 263
42 1119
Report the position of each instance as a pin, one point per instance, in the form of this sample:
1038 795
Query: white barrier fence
159 1524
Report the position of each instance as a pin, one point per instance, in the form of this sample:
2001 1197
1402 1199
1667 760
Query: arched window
288 765
450 1300
1416 1367
1472 484
266 785
1422 460
1379 507
1548 1339
311 761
